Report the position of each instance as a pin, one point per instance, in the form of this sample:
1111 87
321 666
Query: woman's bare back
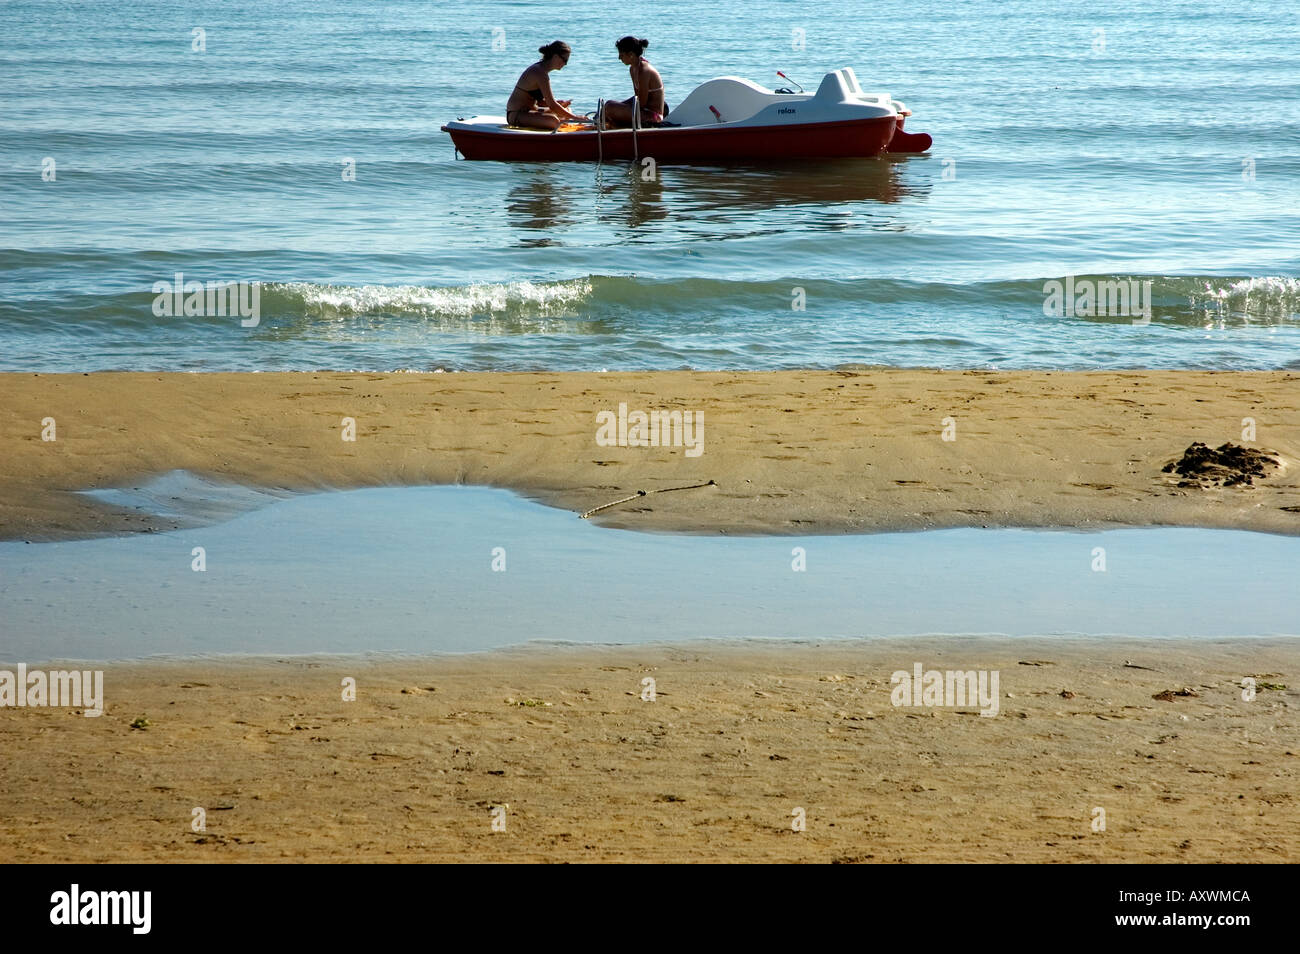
649 86
531 88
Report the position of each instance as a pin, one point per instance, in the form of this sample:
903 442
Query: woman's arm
551 103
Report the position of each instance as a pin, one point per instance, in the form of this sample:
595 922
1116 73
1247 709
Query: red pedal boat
724 119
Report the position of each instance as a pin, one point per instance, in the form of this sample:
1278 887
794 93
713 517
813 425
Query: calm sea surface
1154 141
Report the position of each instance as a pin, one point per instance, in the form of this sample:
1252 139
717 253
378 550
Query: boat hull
905 142
847 138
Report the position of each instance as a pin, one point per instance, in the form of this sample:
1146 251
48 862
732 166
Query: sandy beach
741 736
807 465
789 452
738 737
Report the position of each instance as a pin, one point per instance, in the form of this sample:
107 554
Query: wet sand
790 452
740 735
738 738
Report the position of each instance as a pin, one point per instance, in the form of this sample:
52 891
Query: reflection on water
538 204
832 181
547 201
643 197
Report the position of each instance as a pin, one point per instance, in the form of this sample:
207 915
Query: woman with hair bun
531 104
646 83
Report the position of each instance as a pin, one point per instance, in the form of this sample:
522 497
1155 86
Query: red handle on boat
716 113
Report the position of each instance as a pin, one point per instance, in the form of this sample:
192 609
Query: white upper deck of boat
742 102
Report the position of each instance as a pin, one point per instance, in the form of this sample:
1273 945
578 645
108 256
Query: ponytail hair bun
632 44
555 48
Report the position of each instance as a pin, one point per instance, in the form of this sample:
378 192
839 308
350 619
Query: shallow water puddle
454 569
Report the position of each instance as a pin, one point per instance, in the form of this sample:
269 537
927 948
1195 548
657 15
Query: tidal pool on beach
459 569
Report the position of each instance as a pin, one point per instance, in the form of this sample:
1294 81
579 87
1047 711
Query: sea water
458 569
296 145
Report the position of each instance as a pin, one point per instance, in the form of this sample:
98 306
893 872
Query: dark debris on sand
1228 465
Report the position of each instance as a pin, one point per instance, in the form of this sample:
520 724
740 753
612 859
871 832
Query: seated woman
646 83
531 104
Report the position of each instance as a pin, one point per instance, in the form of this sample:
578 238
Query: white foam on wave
509 299
1269 297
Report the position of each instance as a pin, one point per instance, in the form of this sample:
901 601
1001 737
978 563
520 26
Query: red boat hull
908 142
859 137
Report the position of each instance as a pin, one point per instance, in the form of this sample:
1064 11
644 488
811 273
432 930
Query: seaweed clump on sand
1228 465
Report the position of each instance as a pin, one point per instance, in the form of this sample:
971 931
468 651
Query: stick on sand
643 493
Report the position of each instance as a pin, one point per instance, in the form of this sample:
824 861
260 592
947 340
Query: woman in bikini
646 83
531 104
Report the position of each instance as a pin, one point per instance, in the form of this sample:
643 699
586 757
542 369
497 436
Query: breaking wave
1270 298
522 299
